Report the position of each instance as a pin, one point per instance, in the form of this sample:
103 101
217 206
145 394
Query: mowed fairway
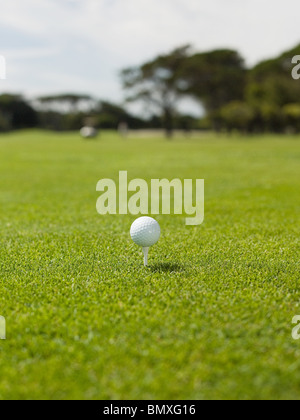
211 317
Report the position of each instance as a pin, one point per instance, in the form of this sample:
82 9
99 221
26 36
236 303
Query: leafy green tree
110 115
66 103
276 67
215 78
16 112
4 123
270 89
291 114
51 120
158 84
237 115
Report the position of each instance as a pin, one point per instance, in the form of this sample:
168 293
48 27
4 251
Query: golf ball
145 232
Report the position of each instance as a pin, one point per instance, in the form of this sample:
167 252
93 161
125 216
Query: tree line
264 98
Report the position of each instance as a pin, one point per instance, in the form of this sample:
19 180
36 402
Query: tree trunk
168 123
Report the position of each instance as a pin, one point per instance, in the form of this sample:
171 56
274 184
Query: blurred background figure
123 129
89 131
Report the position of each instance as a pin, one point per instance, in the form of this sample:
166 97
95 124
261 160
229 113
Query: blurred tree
274 89
278 66
74 121
186 123
66 103
110 115
270 89
215 78
16 112
51 120
157 83
237 115
291 113
4 123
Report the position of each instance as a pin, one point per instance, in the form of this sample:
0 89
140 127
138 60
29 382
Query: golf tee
146 253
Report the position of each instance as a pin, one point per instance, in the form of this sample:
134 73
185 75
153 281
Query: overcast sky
54 46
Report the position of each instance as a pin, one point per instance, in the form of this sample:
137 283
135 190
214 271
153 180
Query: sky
58 46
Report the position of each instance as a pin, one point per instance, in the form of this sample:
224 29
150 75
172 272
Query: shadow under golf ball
166 268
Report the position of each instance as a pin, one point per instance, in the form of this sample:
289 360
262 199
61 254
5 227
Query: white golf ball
145 232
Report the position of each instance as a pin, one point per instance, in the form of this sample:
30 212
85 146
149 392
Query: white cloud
107 35
28 53
140 28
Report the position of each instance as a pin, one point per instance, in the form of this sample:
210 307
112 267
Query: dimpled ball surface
145 231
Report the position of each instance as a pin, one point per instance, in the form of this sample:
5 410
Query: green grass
211 318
